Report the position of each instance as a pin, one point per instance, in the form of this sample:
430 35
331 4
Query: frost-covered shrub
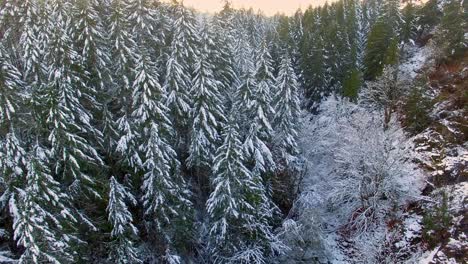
369 165
303 233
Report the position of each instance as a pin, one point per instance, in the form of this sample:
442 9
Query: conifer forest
146 131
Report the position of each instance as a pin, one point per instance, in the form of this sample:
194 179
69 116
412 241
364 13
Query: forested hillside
139 131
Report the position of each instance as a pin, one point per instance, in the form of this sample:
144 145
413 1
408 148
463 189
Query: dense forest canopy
136 131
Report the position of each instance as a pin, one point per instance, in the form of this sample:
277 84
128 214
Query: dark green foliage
451 36
352 84
437 222
377 44
416 111
408 29
392 53
429 15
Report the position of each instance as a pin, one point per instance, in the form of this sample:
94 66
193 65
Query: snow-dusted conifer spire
121 219
207 113
287 110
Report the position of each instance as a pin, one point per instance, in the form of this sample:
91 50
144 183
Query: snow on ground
416 59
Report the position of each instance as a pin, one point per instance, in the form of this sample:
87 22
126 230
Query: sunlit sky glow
269 7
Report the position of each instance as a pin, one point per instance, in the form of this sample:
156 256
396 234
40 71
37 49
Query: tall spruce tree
179 69
123 230
260 134
452 33
66 117
207 113
166 203
12 153
41 215
287 111
239 232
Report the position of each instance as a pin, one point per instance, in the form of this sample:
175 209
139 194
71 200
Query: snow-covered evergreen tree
239 232
66 117
41 215
123 230
31 21
10 27
179 69
89 37
261 131
142 18
166 195
122 49
12 89
245 84
12 153
207 113
287 111
224 37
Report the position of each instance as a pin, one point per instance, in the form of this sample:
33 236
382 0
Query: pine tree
408 28
245 84
142 18
11 90
239 226
88 35
122 47
122 250
260 134
287 110
391 14
383 40
31 21
127 145
120 135
377 44
12 154
224 32
165 193
42 215
352 84
207 113
362 33
179 69
452 33
10 27
66 118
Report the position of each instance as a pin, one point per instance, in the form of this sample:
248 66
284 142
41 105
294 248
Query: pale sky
269 7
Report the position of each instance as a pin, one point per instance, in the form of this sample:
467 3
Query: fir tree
287 110
141 17
42 215
408 28
224 32
452 33
207 113
239 226
165 193
31 21
179 68
88 34
382 46
65 116
261 131
377 44
12 153
122 48
11 90
246 83
121 219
